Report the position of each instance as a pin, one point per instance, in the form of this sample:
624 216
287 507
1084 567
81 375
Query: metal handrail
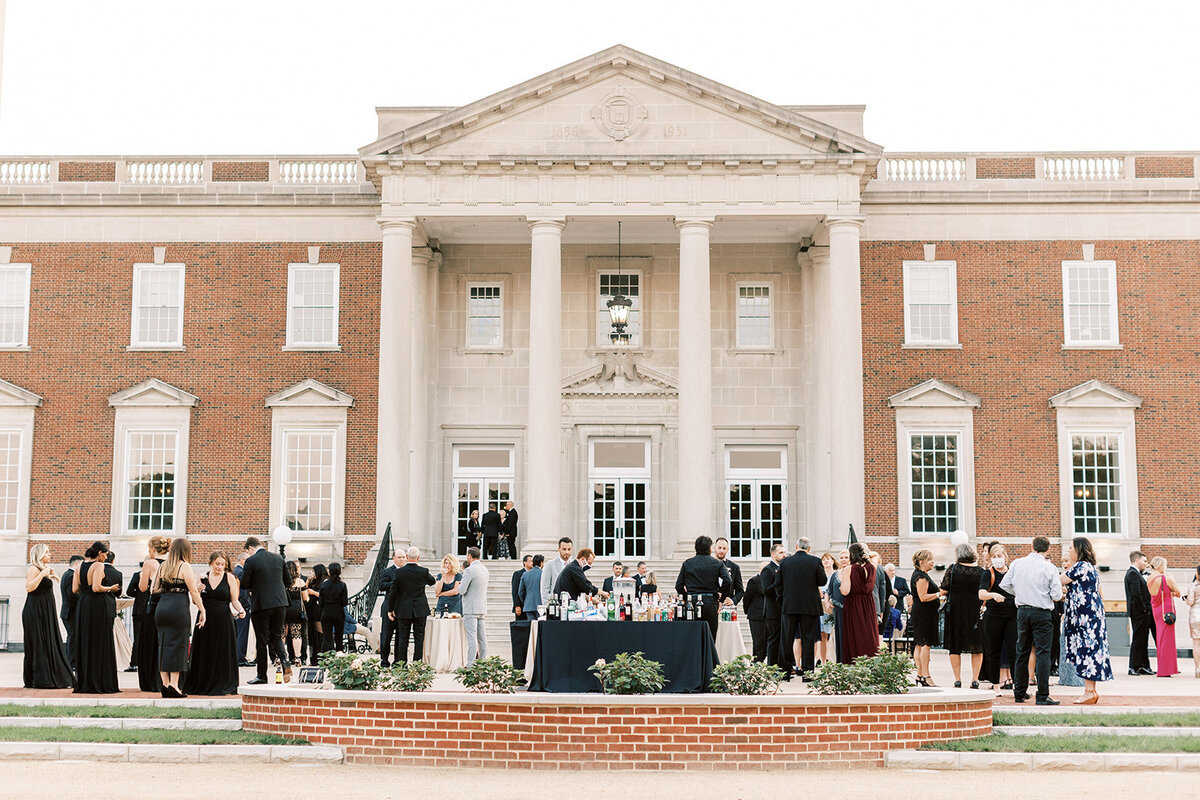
362 603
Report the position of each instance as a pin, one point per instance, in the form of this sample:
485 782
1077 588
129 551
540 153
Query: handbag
1168 616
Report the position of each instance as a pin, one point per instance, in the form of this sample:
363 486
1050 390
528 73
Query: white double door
756 516
619 518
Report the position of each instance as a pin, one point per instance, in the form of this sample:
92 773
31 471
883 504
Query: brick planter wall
570 731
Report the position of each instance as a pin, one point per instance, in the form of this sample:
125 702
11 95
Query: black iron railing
362 603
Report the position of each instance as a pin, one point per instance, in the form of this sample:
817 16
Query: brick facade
1164 167
226 171
570 732
993 168
79 171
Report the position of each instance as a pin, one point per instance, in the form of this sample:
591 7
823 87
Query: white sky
265 77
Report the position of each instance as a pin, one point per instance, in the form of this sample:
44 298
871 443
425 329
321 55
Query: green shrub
744 675
413 676
492 675
351 670
629 673
886 673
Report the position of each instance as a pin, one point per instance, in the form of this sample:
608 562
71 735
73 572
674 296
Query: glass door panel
741 519
633 519
604 519
466 494
770 516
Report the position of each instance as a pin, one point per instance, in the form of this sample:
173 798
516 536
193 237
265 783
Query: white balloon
958 537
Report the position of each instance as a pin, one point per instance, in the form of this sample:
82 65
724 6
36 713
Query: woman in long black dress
312 610
999 621
923 622
96 651
334 598
46 664
147 642
961 583
295 626
214 660
174 584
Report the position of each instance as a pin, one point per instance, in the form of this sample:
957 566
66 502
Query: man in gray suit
473 590
555 566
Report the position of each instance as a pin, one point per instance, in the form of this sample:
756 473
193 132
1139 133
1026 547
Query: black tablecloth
565 650
518 635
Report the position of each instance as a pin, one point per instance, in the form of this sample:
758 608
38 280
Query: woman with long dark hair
294 625
1085 637
334 598
214 669
312 610
860 627
174 584
96 653
46 665
961 583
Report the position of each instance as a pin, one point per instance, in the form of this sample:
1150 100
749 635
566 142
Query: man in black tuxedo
69 600
899 585
408 605
491 531
618 569
526 565
721 551
139 612
264 578
572 579
387 627
1141 615
753 603
801 577
705 577
639 577
509 528
772 613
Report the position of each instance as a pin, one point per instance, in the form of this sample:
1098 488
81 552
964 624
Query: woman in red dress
860 624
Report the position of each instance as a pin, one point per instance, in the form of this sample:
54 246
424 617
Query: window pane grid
930 294
150 481
754 316
1096 483
485 310
158 312
1089 302
10 478
313 301
14 310
935 486
308 480
628 284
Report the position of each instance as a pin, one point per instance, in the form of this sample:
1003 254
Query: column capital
546 223
694 223
850 221
390 224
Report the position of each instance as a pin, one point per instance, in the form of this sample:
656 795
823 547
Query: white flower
600 662
356 664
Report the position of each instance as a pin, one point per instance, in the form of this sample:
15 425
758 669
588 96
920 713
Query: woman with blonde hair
1193 600
214 669
1163 590
147 639
923 621
173 585
446 589
46 665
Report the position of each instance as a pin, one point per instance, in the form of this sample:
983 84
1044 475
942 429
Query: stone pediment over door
618 386
619 102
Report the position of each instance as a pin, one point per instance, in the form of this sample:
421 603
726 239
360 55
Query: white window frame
127 445
27 270
309 406
135 342
909 339
150 406
737 314
467 343
17 410
1114 340
637 341
291 342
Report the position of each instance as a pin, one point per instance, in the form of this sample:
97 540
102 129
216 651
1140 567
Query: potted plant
744 675
492 675
629 673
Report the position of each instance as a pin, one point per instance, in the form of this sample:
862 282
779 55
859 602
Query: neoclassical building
819 334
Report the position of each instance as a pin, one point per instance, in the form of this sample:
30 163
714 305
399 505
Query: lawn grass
140 737
1074 743
1151 720
142 712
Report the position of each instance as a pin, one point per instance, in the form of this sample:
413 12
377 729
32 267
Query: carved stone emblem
619 114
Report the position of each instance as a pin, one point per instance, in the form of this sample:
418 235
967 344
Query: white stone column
815 267
697 473
392 461
844 352
419 469
541 527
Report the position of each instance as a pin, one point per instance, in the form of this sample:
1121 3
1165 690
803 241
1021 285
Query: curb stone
123 723
1076 762
170 753
1084 730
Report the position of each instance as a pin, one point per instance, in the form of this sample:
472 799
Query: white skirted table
121 641
445 644
730 643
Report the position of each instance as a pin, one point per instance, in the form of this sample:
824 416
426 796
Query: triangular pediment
309 393
933 394
13 395
152 393
620 102
619 375
1095 394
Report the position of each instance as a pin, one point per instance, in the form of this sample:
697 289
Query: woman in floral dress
1085 639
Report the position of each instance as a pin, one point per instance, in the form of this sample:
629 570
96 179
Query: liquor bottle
612 608
621 613
278 672
689 611
733 615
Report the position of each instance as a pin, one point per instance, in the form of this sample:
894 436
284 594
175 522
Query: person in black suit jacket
754 604
509 529
409 606
491 531
69 601
572 579
899 586
526 565
772 615
263 576
1141 615
387 627
704 576
801 576
138 611
721 550
474 529
618 570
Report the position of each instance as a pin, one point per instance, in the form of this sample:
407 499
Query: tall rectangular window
312 312
150 459
485 315
157 305
10 480
1096 482
308 479
754 315
935 482
930 303
629 285
14 305
1090 303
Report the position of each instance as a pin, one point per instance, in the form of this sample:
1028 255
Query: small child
894 624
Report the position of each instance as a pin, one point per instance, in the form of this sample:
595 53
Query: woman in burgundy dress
860 625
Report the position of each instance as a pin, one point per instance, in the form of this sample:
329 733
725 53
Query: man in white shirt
1036 585
555 566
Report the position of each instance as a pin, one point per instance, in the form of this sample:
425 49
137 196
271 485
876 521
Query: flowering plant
629 673
744 675
492 675
413 676
351 670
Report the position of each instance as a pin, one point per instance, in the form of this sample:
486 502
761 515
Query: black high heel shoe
958 684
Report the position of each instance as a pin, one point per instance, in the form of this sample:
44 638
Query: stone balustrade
897 170
139 173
